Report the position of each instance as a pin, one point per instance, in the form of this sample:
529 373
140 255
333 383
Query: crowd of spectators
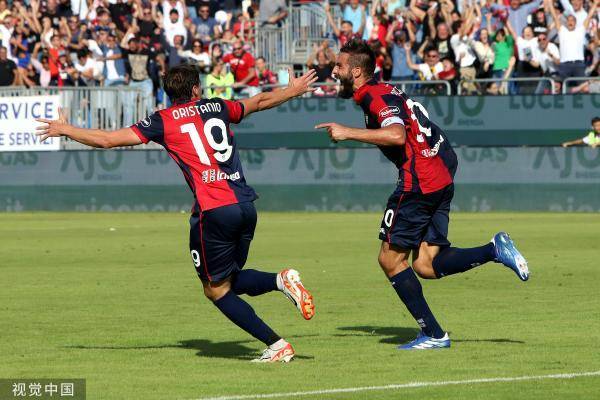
132 42
461 40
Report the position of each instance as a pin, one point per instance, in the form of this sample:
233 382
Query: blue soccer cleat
424 342
507 254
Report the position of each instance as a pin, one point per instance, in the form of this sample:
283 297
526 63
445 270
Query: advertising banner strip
17 122
487 165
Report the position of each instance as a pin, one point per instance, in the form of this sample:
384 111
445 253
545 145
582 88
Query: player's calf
408 288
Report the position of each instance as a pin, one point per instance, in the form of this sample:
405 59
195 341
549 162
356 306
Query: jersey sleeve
235 111
150 129
388 110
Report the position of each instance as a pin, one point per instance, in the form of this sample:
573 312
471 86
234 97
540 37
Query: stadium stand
446 47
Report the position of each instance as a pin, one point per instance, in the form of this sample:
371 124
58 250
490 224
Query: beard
346 87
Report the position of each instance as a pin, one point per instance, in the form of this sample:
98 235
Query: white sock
278 345
279 283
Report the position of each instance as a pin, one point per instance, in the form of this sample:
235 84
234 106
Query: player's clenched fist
336 131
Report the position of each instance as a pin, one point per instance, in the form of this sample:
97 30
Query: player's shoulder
379 88
384 94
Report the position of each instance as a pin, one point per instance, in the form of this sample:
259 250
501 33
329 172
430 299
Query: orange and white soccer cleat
288 281
281 351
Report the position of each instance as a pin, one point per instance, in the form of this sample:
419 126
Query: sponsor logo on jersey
433 151
146 122
213 175
397 91
195 109
389 111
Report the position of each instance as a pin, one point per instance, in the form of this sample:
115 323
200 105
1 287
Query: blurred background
514 84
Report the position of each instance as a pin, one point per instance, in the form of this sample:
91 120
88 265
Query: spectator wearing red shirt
242 65
54 49
265 75
344 32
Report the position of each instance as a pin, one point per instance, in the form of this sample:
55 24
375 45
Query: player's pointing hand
336 131
303 83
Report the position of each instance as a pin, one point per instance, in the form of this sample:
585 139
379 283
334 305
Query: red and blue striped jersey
199 139
426 162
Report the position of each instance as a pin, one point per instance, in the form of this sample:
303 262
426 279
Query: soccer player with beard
417 213
197 135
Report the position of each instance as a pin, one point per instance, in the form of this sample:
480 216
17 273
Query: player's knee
424 269
391 266
214 292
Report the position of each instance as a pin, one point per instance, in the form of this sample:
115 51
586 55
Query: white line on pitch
404 386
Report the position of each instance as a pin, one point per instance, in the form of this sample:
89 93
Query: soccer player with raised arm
417 213
197 135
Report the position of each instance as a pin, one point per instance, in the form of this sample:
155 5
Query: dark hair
347 22
179 81
430 48
260 58
595 119
173 11
82 53
361 56
456 26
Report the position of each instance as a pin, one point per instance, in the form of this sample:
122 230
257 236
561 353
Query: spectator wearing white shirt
527 61
6 31
87 67
548 56
571 39
169 5
464 54
575 8
174 27
485 53
196 55
431 68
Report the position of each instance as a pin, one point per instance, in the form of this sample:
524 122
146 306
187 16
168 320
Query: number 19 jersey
426 162
198 138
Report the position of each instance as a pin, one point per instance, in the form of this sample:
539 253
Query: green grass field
114 299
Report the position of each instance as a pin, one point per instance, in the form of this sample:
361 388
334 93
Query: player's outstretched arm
391 135
90 137
573 143
296 87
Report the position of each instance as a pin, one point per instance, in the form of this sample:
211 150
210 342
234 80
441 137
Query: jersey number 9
222 149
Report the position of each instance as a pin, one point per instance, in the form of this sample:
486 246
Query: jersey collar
361 91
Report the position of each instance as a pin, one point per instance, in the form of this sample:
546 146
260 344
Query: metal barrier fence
274 45
439 87
308 25
565 87
94 107
504 81
291 43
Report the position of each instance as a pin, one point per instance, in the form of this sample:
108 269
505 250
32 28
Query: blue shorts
220 240
412 218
